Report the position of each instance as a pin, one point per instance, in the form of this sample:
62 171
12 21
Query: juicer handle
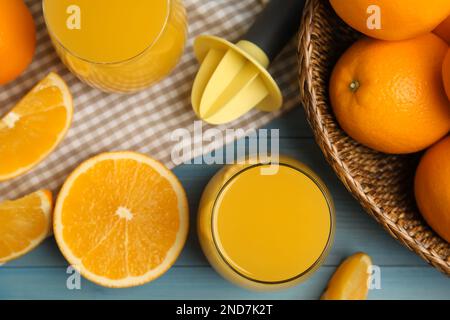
276 25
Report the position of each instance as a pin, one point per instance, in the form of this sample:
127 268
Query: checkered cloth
145 121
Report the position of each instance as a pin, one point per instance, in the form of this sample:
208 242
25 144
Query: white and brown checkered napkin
144 121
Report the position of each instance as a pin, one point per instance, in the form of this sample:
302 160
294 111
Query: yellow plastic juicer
233 78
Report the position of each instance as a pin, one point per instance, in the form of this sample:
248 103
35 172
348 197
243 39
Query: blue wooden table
42 274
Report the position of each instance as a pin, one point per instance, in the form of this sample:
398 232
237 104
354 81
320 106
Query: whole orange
17 39
398 20
446 73
432 188
443 30
389 95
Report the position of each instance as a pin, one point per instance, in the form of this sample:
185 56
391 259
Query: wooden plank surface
42 273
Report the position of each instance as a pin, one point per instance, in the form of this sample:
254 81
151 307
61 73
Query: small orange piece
432 188
389 95
446 73
443 30
24 224
17 39
121 219
34 127
399 19
351 279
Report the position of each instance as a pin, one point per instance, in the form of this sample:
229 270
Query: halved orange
351 279
121 219
34 127
24 224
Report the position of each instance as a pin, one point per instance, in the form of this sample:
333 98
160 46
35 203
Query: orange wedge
34 127
351 279
24 224
121 219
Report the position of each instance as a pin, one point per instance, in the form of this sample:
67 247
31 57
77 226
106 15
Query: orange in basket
446 73
432 188
392 20
443 30
389 96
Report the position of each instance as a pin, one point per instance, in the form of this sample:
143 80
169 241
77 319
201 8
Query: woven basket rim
308 96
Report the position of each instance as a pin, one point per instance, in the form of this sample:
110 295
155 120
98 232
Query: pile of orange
390 91
121 219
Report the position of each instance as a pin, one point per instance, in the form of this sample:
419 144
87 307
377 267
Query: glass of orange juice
117 45
266 230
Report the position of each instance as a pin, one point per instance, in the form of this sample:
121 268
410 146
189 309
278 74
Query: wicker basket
382 183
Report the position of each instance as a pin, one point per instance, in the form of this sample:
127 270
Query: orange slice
121 219
34 127
351 279
24 224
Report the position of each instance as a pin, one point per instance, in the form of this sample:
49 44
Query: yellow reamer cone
233 78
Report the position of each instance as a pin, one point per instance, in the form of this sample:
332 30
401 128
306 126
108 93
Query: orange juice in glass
118 45
266 230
